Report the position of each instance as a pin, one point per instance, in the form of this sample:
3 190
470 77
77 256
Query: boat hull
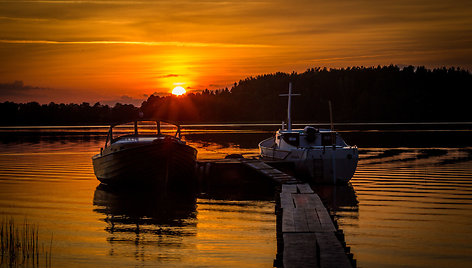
327 164
161 163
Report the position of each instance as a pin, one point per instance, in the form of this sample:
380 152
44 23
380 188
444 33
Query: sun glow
178 91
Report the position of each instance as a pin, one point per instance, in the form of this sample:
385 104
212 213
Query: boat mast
289 114
333 141
289 109
331 115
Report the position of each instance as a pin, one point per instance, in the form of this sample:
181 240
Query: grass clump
19 245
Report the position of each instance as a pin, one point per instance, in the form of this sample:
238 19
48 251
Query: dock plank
289 188
300 221
299 250
268 171
313 221
303 200
257 165
271 172
255 162
332 254
288 223
304 188
323 215
286 200
325 221
283 177
316 201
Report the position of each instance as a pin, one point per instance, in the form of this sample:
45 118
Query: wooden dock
268 171
309 235
305 231
306 234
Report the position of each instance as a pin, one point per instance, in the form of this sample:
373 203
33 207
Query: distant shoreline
339 126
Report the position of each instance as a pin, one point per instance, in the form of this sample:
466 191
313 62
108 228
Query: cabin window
340 141
326 139
292 138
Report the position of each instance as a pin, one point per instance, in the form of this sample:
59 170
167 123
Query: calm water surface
410 203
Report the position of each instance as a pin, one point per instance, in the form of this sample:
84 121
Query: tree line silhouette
33 113
358 94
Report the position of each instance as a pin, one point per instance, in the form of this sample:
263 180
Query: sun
178 91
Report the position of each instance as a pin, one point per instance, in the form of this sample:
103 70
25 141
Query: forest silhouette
358 94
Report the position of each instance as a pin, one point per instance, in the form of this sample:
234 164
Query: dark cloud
17 88
168 75
194 90
161 94
123 100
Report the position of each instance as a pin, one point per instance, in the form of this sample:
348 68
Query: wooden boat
140 155
319 155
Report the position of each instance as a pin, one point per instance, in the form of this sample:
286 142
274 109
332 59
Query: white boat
139 153
319 155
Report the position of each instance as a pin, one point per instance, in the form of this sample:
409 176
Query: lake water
409 205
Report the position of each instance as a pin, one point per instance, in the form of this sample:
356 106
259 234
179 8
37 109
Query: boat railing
110 139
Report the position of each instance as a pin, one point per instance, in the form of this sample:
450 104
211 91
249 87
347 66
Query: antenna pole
289 106
333 141
331 115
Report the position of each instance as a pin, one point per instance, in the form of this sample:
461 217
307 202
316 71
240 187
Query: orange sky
108 50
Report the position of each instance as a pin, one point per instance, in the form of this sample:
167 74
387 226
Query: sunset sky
124 50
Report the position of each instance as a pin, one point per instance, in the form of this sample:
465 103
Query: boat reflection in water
139 220
341 197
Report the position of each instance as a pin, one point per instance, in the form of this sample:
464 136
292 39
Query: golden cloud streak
144 43
73 1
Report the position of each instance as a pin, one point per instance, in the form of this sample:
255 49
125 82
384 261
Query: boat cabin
307 138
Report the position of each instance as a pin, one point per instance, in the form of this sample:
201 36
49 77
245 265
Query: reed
19 245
